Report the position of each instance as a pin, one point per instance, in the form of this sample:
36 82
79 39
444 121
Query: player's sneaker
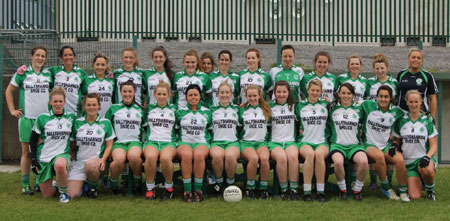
373 185
264 194
187 197
92 193
37 188
294 195
168 194
250 193
390 194
285 195
357 196
431 195
198 196
404 197
26 190
322 198
137 189
343 195
307 198
150 195
105 184
64 198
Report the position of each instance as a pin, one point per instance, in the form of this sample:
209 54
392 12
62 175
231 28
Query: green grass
15 206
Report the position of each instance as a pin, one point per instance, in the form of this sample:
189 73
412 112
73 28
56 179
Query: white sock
342 185
306 187
320 187
358 186
150 186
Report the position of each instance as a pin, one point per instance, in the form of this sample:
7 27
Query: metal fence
329 21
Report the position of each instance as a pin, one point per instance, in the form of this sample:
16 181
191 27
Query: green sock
25 180
403 188
263 185
114 183
390 174
373 176
230 180
250 184
219 180
105 178
198 183
63 189
92 185
284 186
187 183
353 176
385 184
137 179
429 187
293 185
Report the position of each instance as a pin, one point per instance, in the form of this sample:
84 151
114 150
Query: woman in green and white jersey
160 141
190 75
380 67
378 121
254 116
92 140
208 64
70 77
50 144
128 119
418 138
344 119
253 75
283 147
162 71
313 140
225 151
287 71
354 77
129 71
100 84
224 74
322 61
193 122
34 85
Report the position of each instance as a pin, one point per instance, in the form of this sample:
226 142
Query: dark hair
100 55
38 47
287 47
61 51
290 100
210 57
226 52
322 53
348 86
167 64
193 86
128 83
389 90
91 95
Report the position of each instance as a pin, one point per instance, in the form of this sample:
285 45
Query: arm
35 167
433 105
433 146
10 101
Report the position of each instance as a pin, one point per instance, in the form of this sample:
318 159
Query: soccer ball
232 194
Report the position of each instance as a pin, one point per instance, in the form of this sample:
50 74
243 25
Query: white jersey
161 123
254 124
283 122
121 76
103 87
313 121
127 122
194 125
225 121
71 82
151 79
345 124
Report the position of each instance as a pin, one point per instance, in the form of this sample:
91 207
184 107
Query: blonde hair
410 92
414 50
380 58
58 91
264 105
315 82
132 50
164 85
225 83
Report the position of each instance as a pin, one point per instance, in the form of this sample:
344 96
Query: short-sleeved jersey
194 125
259 78
121 76
415 136
34 91
422 81
55 132
254 124
345 124
151 79
282 122
374 83
103 87
91 137
127 121
329 84
218 78
313 121
225 121
182 80
360 85
71 82
161 123
378 124
292 75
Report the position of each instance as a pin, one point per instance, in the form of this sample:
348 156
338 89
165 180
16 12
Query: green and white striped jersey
259 78
360 85
217 78
282 122
415 135
103 87
151 80
313 121
374 83
183 80
329 84
345 124
225 121
254 124
71 82
292 75
194 125
121 76
127 121
161 123
55 132
34 91
91 137
378 124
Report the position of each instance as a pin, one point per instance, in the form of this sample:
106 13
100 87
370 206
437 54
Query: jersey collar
389 78
221 74
199 106
134 69
350 76
96 119
220 105
53 114
351 105
195 73
257 70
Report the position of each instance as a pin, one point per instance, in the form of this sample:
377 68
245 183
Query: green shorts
194 145
312 145
348 150
160 145
127 145
384 150
225 144
25 128
252 144
47 171
282 145
412 169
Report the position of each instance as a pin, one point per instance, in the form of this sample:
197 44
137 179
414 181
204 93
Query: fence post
420 45
279 45
1 99
440 84
135 40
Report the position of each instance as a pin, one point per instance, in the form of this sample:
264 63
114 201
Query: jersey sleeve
208 84
267 82
431 86
17 80
396 129
38 125
432 132
109 114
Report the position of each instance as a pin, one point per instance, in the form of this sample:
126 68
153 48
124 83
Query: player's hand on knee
424 162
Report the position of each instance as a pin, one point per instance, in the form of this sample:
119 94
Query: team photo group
80 131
